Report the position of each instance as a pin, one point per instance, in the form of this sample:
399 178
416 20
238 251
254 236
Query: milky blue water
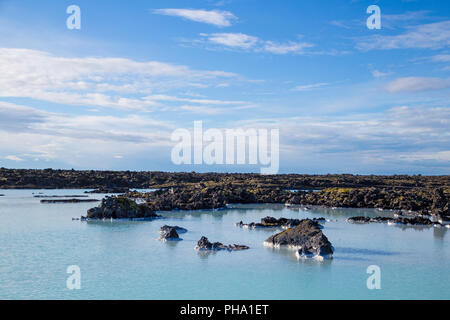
124 260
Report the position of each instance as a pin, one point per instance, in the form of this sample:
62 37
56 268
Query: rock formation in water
271 222
306 238
120 208
204 244
170 234
178 229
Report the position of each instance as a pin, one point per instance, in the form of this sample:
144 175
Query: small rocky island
169 234
306 238
399 218
120 208
178 229
271 222
204 245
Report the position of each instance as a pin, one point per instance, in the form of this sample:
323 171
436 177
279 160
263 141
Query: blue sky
107 96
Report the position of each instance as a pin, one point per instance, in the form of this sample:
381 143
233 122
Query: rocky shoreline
202 196
194 191
120 208
271 222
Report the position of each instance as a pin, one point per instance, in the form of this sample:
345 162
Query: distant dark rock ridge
68 200
92 179
270 222
415 221
110 190
204 244
203 196
60 196
306 238
120 208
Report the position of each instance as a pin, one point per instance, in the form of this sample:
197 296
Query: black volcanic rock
306 237
120 208
178 229
170 234
204 244
60 196
110 190
399 220
271 222
68 200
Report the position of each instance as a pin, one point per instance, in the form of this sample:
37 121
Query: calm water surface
124 260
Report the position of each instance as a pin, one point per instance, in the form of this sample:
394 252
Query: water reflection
439 232
362 251
290 254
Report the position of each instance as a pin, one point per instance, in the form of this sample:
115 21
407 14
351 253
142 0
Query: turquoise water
124 260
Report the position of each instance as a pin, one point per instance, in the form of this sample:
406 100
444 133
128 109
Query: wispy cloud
238 40
255 44
214 17
12 158
309 87
161 97
379 74
394 137
441 58
285 48
69 137
102 82
417 84
389 21
426 36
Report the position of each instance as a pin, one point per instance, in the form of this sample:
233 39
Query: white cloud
161 97
398 136
102 82
379 74
238 40
430 36
202 109
70 138
416 84
247 42
389 21
214 17
12 158
309 87
441 58
285 48
386 136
